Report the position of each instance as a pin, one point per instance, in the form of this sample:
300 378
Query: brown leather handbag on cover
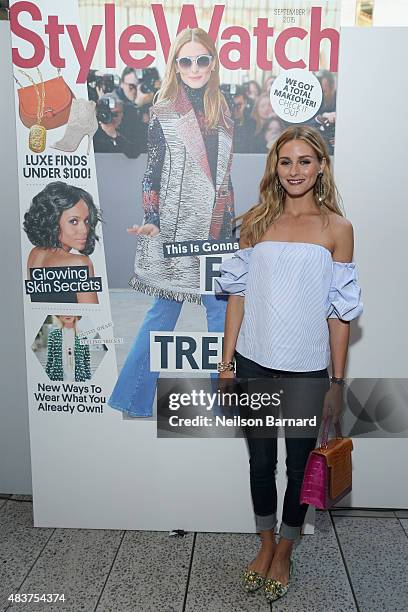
57 102
327 476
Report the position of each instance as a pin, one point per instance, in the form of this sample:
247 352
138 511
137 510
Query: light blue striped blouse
290 290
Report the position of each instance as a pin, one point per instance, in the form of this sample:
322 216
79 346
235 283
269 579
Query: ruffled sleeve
344 300
234 273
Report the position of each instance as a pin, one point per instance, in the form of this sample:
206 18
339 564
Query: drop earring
279 189
321 196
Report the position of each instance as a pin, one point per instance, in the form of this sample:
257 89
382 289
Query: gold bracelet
226 366
337 381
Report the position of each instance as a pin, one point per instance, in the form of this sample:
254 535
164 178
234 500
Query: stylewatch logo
147 42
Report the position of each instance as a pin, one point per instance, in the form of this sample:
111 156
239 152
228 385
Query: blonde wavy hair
214 100
58 322
257 219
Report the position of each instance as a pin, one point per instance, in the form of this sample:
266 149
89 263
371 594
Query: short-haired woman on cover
61 224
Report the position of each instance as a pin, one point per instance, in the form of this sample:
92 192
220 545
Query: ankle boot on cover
82 122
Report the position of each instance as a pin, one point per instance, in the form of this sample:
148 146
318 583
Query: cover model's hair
42 220
271 194
59 321
214 100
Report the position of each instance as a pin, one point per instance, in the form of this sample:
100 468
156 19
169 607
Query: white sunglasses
201 61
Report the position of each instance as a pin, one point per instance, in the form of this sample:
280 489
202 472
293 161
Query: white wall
370 169
348 13
390 13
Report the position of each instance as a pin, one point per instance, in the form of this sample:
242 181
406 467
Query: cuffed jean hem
264 523
129 412
289 532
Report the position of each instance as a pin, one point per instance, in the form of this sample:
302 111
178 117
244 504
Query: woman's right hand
228 374
226 382
148 229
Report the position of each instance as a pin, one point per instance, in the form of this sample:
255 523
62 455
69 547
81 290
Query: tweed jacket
54 367
191 204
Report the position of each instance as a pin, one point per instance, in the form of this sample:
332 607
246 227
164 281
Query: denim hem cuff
128 412
264 523
289 532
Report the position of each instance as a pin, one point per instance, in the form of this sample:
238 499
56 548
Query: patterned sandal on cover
252 581
274 589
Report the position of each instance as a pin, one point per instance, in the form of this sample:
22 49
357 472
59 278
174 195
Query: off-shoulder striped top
290 289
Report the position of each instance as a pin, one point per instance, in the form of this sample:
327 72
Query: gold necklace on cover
37 137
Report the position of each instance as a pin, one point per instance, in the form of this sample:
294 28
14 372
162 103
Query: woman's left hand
333 403
148 229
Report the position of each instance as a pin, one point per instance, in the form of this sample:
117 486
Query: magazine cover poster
185 122
142 133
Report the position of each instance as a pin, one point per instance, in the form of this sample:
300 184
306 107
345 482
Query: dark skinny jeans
263 457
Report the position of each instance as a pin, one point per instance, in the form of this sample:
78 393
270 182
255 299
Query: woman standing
67 358
187 195
293 291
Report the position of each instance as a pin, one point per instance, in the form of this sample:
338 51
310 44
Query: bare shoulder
49 258
73 259
339 222
343 237
36 257
32 256
68 259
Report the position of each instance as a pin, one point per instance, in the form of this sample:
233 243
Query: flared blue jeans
136 386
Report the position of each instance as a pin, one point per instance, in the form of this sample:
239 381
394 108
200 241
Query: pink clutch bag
327 477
